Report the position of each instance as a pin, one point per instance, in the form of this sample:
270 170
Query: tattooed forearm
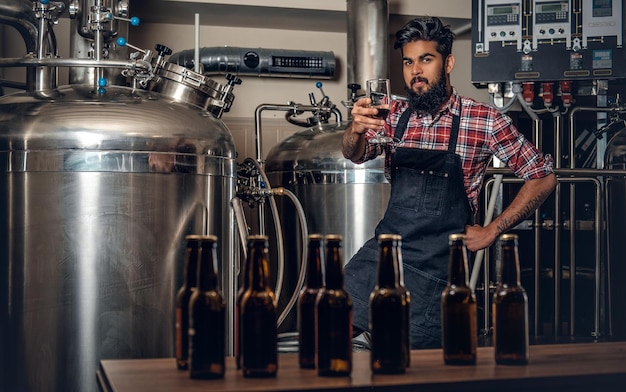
526 210
351 145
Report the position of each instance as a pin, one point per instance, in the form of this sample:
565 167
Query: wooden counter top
562 367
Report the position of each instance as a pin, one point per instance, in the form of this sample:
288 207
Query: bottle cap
508 237
456 237
387 237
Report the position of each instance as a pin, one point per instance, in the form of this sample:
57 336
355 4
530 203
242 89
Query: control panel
502 23
602 18
547 40
552 23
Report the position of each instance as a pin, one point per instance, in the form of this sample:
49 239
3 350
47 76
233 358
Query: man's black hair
426 29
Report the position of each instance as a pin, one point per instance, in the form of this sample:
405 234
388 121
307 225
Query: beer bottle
182 302
334 316
306 303
510 308
389 311
258 346
458 309
207 317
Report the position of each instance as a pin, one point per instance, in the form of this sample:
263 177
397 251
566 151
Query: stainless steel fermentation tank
100 185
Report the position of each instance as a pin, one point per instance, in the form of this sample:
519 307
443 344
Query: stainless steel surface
368 36
100 191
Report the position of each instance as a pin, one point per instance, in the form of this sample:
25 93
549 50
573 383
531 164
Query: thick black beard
429 102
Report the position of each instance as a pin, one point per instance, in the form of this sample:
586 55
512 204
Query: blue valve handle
121 41
44 1
102 82
134 21
319 85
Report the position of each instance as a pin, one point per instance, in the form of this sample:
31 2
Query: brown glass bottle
207 317
258 346
182 301
389 311
334 316
510 308
306 303
458 309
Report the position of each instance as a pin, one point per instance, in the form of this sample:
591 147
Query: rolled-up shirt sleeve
517 152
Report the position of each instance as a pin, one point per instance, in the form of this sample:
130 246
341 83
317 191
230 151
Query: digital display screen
602 8
549 7
501 10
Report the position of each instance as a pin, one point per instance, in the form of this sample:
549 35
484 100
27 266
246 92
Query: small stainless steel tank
99 191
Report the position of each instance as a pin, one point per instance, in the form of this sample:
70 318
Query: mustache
419 79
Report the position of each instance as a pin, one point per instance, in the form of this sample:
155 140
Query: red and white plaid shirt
483 132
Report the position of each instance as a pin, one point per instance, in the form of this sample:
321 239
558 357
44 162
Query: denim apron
427 203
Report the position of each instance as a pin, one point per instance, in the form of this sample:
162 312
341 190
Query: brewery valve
48 10
322 110
251 188
349 103
142 77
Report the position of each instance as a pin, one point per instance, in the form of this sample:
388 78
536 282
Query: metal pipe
284 108
368 37
608 259
19 14
566 172
33 62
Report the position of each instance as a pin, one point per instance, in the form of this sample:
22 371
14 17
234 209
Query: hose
303 264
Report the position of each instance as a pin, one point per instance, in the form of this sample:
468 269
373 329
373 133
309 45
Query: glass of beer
379 91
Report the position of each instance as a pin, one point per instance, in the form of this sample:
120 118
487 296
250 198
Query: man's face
422 65
426 75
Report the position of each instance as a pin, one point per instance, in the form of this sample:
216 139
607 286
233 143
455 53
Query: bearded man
444 143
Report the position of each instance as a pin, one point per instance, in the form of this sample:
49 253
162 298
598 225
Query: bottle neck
510 274
258 273
457 271
207 269
191 264
389 268
334 266
314 278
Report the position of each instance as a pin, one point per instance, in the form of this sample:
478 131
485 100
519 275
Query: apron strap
402 123
454 133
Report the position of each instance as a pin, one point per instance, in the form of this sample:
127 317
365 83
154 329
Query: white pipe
488 217
196 56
